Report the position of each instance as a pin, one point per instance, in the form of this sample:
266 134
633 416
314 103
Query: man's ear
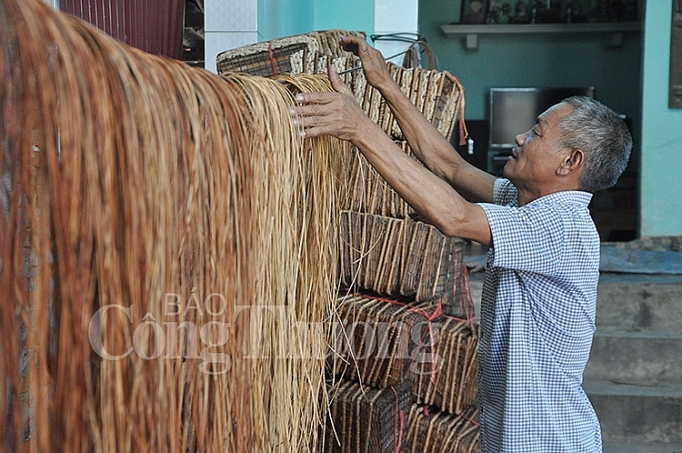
573 162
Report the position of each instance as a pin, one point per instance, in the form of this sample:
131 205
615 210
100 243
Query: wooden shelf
616 30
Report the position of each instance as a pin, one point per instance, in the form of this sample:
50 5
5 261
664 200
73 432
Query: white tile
217 42
396 16
230 15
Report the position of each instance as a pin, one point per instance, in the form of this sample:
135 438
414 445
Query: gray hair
603 137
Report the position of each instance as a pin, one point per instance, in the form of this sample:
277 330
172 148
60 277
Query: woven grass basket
440 432
375 341
453 385
397 257
438 95
367 420
308 53
369 192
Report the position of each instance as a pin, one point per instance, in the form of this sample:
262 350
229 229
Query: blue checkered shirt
537 321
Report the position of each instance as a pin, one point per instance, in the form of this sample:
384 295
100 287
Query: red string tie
272 59
429 318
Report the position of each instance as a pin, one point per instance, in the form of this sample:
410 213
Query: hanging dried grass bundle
167 246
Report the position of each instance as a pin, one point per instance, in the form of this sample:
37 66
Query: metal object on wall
155 26
675 89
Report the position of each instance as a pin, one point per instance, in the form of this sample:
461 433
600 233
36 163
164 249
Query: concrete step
635 357
628 302
641 448
640 414
640 302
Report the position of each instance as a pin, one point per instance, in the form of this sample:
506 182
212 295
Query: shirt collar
578 197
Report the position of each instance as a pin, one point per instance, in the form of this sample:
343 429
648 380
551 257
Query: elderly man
539 296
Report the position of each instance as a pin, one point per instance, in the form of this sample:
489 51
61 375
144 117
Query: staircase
634 375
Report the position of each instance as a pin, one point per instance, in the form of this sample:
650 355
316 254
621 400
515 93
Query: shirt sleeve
505 193
530 238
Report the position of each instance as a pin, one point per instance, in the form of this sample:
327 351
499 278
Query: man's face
538 155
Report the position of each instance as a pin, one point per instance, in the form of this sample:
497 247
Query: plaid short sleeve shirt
537 323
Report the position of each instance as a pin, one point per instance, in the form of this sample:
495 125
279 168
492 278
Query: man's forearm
433 150
433 198
426 141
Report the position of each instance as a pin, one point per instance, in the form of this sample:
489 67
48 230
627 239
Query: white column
228 24
395 16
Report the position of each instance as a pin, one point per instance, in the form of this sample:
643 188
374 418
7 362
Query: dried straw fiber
167 245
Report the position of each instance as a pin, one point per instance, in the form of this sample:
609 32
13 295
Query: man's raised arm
437 201
428 144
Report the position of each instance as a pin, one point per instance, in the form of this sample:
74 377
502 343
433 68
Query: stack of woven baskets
309 53
402 363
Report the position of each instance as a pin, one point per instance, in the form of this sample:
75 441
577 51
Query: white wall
395 16
228 24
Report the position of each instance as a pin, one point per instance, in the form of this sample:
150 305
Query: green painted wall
545 61
347 15
661 169
535 60
277 18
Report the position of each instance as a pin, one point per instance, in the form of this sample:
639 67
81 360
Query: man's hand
373 63
337 114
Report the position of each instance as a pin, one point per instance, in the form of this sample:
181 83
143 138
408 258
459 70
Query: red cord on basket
272 59
429 318
470 420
